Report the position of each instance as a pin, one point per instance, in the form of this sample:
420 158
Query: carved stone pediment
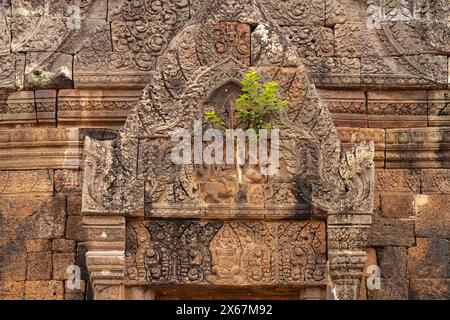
134 175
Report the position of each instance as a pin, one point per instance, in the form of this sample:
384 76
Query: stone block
418 148
70 289
435 181
63 245
47 221
397 109
397 180
5 27
432 215
391 289
12 290
18 110
46 107
397 206
67 181
39 265
74 205
428 259
38 245
73 228
351 136
37 218
44 290
392 71
26 183
291 12
392 261
438 108
7 73
41 148
348 108
59 8
310 40
13 258
95 108
54 74
61 261
391 232
331 72
429 289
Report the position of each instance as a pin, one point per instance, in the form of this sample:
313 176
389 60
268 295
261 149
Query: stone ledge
95 108
418 148
40 149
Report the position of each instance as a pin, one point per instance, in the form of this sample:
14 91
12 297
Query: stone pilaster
347 238
105 259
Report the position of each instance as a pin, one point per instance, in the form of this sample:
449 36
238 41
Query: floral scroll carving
133 175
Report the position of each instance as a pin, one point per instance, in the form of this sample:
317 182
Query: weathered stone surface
61 261
310 40
397 206
32 217
438 108
63 245
28 182
44 290
53 73
397 72
12 290
348 108
73 228
432 216
418 148
38 245
391 289
13 258
58 8
7 71
428 259
398 180
73 290
74 205
18 110
95 108
46 221
42 148
293 12
74 296
227 253
435 181
67 181
39 265
392 261
391 232
46 107
397 109
5 27
429 289
327 72
351 136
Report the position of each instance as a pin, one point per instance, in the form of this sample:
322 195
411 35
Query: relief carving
233 253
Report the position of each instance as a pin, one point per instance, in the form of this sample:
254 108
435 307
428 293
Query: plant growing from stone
255 106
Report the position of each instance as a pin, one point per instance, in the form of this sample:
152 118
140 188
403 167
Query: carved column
347 238
105 258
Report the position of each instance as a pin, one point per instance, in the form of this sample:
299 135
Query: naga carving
134 176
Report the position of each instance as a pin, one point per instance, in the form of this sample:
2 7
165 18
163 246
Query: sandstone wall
381 66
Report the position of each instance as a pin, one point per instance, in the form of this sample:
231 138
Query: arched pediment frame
134 177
